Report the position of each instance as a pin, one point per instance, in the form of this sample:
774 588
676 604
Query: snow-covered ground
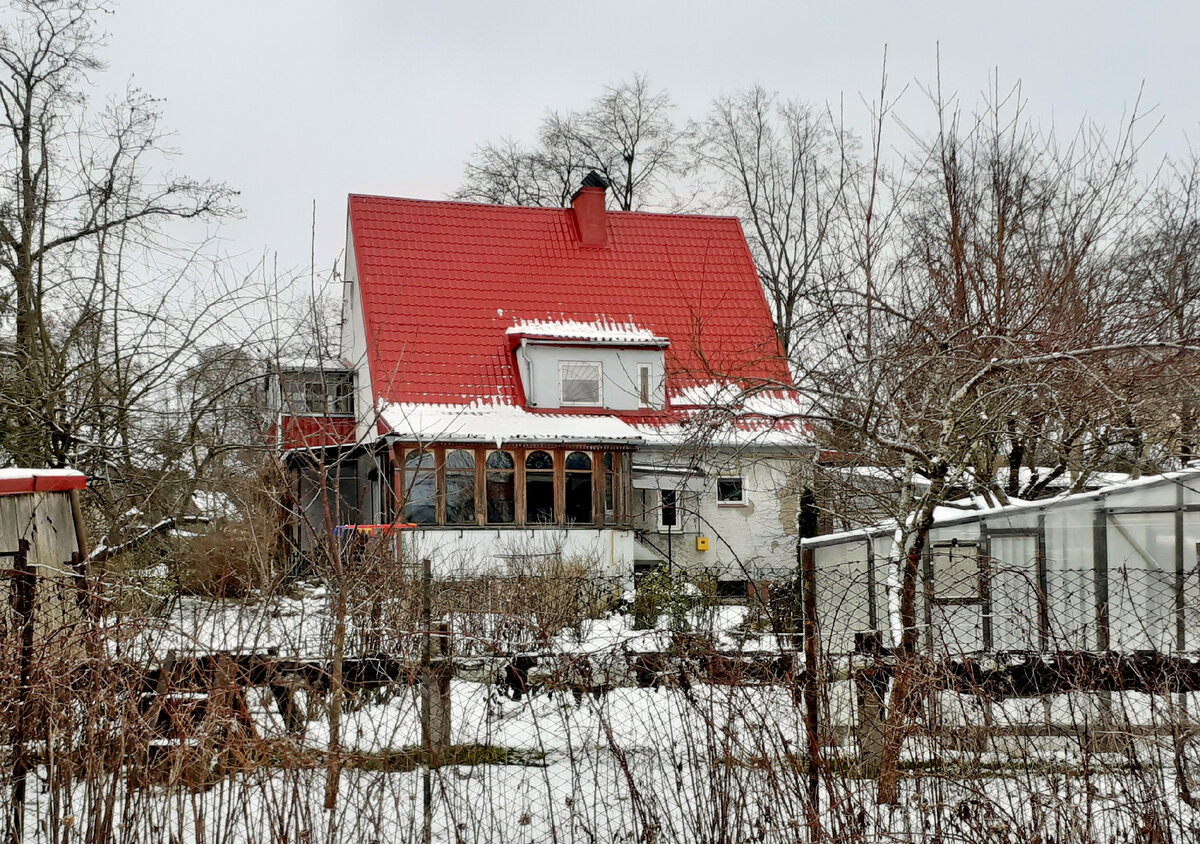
679 763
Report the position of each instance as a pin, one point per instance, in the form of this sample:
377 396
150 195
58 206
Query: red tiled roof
441 282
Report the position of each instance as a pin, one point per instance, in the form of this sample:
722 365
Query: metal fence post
22 600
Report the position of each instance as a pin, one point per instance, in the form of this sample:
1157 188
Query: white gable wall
354 345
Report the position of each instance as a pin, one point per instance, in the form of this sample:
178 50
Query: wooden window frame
481 481
591 471
621 498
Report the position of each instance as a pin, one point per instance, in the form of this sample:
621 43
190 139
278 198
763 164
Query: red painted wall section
315 431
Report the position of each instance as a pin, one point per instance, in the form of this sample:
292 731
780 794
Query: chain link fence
376 702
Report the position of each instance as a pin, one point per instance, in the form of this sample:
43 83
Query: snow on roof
17 481
945 516
893 474
1066 480
739 398
213 504
284 364
501 423
602 330
726 433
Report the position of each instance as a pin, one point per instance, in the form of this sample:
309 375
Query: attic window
645 388
580 382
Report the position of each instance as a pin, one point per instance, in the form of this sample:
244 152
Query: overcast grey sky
296 101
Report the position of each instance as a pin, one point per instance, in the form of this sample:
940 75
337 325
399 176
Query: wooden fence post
870 685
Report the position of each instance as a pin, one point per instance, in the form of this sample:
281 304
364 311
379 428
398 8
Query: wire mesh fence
377 702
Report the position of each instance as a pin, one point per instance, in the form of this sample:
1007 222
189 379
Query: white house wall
754 541
354 346
606 552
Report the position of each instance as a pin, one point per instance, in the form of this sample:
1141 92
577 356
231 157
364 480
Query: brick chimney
588 205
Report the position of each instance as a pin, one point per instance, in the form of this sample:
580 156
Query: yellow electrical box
701 543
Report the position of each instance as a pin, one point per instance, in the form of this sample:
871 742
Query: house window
580 382
730 492
956 575
420 488
539 487
645 385
320 394
460 487
668 509
501 488
610 486
579 488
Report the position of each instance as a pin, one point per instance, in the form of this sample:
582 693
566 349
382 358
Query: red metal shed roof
441 283
26 481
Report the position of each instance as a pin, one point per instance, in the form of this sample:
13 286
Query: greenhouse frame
1116 569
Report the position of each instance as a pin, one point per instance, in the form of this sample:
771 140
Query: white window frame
646 370
678 526
741 500
562 399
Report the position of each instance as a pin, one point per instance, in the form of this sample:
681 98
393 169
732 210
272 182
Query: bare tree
782 168
992 331
627 134
79 192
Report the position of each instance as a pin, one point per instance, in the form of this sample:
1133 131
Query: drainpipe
529 394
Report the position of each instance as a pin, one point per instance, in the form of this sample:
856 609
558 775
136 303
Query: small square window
730 491
580 381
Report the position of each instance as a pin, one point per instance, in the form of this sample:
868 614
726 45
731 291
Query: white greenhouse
1115 569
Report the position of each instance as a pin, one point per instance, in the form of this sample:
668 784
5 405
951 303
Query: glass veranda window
501 488
460 487
610 486
420 488
579 488
539 487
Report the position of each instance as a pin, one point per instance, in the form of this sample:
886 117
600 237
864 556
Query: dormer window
581 383
645 385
